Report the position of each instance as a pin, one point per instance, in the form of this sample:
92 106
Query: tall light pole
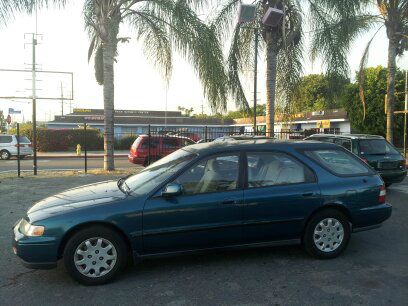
405 114
271 19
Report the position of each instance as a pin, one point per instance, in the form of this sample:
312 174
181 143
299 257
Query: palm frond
154 34
225 17
361 74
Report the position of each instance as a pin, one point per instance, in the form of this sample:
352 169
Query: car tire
327 234
100 250
4 154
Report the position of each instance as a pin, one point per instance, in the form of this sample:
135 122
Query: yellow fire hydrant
78 149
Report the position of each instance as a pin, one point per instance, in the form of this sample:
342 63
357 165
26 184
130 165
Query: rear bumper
393 176
371 217
136 160
35 252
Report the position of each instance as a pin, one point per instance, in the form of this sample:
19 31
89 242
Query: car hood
88 195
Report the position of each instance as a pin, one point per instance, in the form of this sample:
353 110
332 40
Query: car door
280 192
207 214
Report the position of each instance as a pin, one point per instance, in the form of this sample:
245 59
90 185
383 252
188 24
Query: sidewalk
90 154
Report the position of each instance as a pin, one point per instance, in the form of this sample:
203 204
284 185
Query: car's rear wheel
95 255
5 155
327 234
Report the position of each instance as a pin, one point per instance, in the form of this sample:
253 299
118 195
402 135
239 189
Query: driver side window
214 174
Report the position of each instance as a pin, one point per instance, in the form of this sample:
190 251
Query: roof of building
330 114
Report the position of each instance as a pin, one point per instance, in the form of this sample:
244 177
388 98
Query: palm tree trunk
271 63
392 54
109 104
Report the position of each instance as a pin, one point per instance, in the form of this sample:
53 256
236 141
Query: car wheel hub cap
95 257
328 235
4 155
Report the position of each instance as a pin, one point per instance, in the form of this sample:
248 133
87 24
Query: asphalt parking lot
373 270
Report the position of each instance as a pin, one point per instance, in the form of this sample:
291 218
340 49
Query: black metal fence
86 144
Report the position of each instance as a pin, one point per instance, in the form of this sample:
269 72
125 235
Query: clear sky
138 85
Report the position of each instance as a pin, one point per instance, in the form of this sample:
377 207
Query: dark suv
374 150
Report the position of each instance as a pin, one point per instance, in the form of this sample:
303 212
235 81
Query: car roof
350 136
255 144
165 136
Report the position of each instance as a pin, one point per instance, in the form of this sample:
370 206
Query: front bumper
371 217
35 252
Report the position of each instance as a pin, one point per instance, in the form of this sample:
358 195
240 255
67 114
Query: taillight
19 145
30 145
381 197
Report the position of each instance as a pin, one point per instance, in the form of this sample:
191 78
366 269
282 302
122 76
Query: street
373 270
63 164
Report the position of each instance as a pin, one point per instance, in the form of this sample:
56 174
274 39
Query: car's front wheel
327 234
5 155
95 255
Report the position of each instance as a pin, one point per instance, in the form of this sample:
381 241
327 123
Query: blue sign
12 111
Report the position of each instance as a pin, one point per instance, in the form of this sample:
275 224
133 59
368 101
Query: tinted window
339 162
214 174
23 139
376 147
345 143
154 143
272 168
170 143
6 139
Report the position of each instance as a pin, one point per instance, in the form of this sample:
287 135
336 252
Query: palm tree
283 46
162 26
393 16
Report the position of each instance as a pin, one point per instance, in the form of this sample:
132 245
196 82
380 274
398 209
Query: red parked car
160 146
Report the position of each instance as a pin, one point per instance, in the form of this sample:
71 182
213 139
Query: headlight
30 230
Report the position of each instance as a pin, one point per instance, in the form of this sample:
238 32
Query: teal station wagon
207 197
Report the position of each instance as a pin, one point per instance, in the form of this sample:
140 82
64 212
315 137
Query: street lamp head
247 13
272 17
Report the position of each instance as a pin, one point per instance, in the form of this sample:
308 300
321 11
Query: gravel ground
373 270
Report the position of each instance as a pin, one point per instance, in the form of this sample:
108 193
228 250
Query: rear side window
154 143
339 162
6 139
23 139
376 147
275 168
345 143
170 143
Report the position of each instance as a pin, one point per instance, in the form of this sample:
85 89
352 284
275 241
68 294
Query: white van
9 145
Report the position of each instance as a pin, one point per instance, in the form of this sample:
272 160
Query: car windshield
376 147
156 173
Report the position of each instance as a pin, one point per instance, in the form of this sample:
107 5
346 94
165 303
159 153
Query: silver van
9 146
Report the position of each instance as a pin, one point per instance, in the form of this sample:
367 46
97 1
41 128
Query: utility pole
256 76
34 94
62 101
405 114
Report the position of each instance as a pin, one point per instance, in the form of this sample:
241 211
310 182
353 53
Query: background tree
283 46
314 92
2 122
366 14
162 26
186 111
375 87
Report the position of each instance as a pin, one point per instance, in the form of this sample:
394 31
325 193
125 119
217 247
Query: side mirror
172 190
